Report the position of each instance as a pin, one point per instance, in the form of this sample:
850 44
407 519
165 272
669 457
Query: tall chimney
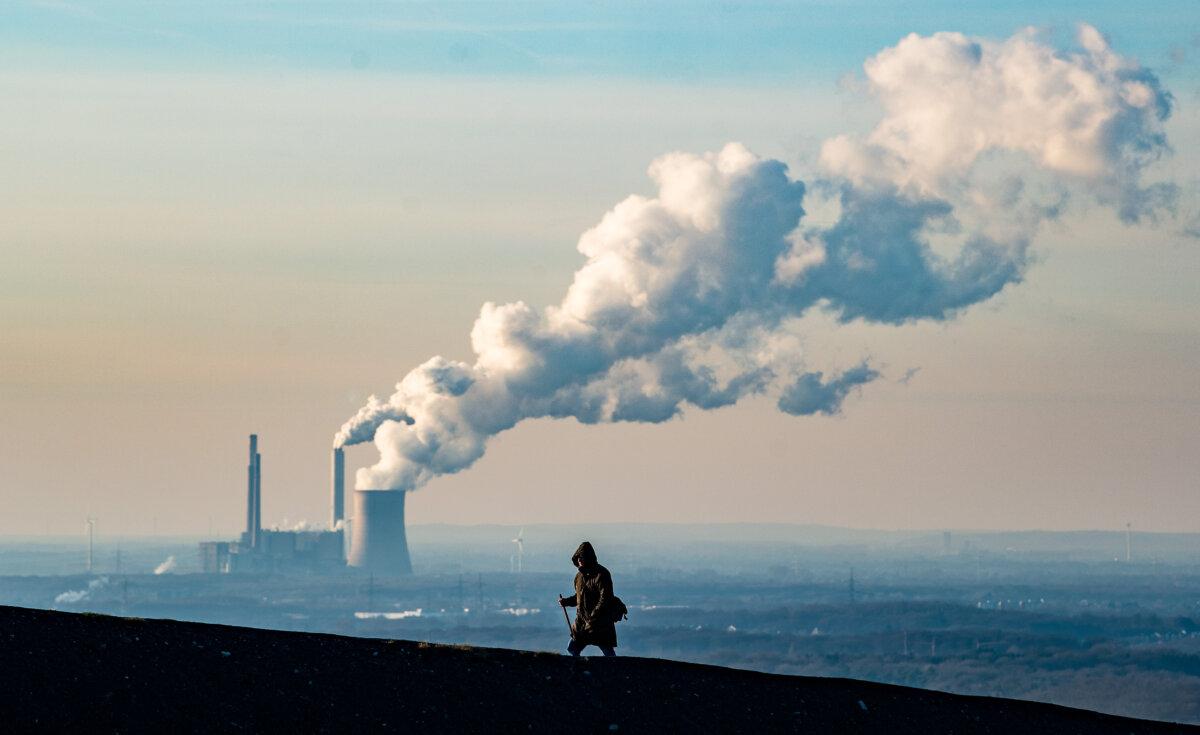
253 495
248 536
338 489
378 544
257 498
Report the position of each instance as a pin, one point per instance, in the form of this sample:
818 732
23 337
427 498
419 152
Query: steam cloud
72 596
691 297
168 565
1093 116
810 394
301 526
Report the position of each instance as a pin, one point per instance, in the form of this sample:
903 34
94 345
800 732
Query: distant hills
1082 545
100 673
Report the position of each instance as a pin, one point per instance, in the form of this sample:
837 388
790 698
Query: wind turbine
520 542
91 529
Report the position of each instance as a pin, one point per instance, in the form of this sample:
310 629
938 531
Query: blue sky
697 42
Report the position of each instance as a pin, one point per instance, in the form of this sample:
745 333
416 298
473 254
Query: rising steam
70 597
691 297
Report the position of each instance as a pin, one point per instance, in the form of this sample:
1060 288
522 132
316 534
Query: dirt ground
107 674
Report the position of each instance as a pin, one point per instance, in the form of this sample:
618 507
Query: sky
225 218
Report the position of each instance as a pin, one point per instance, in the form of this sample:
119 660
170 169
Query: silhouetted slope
63 670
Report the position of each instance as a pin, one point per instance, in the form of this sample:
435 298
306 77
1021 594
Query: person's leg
575 647
607 650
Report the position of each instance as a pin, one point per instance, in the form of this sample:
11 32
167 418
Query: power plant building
274 550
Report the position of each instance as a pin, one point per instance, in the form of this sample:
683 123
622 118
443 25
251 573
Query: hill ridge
70 670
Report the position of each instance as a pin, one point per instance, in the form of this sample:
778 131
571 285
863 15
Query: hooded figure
593 593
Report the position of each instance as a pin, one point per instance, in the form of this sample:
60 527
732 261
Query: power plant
378 543
374 533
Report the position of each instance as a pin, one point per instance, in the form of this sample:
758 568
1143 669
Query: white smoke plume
811 394
1090 116
361 427
168 565
73 596
691 297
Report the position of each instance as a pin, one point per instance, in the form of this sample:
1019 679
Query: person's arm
606 593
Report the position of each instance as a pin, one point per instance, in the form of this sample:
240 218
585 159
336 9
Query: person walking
594 623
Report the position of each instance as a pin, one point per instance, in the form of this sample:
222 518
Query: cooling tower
378 543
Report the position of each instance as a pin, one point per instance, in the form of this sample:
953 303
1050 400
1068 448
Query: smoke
692 297
810 394
168 565
1091 116
301 526
361 427
73 596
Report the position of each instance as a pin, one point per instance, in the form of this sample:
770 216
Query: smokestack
253 494
257 498
378 544
338 490
248 536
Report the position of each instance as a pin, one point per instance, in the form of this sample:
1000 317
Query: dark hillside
70 671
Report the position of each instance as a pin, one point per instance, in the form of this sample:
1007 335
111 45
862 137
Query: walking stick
566 617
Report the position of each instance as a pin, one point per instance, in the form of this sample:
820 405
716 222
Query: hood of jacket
585 552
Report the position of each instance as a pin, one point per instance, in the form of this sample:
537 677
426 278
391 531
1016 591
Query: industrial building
374 533
271 550
378 544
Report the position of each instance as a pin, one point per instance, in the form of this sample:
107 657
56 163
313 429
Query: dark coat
593 592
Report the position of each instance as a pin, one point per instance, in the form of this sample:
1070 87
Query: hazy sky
218 219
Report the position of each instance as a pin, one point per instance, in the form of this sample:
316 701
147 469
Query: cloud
950 100
811 394
692 296
877 264
680 302
908 375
